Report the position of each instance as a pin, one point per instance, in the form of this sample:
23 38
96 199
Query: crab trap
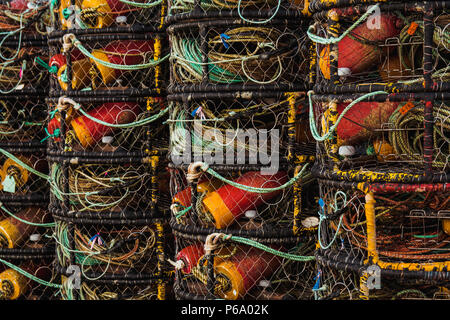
107 64
106 127
394 235
257 12
112 257
372 46
109 15
231 55
220 266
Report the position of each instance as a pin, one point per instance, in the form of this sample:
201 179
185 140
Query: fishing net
107 64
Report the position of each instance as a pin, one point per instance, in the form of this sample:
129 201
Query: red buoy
190 256
229 203
356 55
361 118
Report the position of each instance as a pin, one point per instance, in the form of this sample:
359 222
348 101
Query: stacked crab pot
240 149
26 244
380 114
106 145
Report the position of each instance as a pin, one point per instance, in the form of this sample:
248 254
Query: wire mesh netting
119 290
107 63
25 227
251 10
21 17
397 48
103 249
22 121
115 190
23 174
386 137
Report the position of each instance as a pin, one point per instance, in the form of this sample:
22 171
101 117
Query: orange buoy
108 9
245 269
229 203
356 56
121 52
89 132
13 232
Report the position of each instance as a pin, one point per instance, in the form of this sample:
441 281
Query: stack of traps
250 150
380 108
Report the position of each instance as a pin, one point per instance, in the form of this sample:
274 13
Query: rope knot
195 170
68 40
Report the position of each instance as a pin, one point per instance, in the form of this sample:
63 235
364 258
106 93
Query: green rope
259 21
254 189
29 275
141 5
332 40
312 124
86 52
270 250
42 63
124 125
47 225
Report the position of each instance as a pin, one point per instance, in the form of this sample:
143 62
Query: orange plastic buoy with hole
358 56
13 232
229 203
383 150
14 284
358 122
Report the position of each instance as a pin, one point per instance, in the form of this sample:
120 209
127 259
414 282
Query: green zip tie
52 69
